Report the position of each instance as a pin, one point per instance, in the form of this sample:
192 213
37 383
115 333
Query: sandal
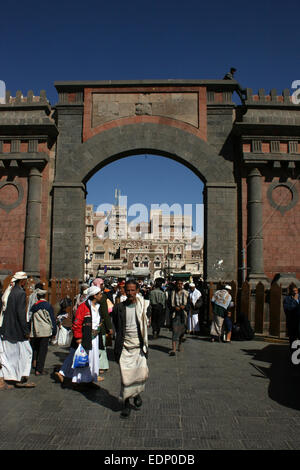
172 353
58 377
5 386
25 385
99 378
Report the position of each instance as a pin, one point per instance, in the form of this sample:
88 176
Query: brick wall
12 225
281 232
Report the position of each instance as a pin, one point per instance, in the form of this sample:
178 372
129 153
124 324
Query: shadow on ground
104 398
98 395
284 377
162 349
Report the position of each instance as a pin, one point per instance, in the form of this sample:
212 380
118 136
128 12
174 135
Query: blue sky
149 180
98 40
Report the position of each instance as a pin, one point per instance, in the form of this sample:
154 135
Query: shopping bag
64 337
81 358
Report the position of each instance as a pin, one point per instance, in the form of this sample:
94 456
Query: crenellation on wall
21 100
271 99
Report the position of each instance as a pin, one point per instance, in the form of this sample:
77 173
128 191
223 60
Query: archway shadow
283 376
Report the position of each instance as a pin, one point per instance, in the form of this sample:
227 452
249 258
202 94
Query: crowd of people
104 312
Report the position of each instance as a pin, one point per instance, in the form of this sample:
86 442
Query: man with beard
131 346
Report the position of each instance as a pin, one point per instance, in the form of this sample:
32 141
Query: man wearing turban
15 349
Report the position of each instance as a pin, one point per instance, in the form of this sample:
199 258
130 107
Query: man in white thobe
15 349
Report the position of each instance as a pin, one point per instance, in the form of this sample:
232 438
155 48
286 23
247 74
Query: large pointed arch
77 166
110 145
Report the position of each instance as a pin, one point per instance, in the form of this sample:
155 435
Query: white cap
93 290
40 291
228 287
19 276
192 284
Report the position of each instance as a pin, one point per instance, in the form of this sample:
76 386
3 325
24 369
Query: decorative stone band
282 208
64 184
26 160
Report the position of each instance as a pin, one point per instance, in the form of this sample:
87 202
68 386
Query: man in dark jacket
43 327
291 306
15 349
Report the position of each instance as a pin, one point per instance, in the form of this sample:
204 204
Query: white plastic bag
64 337
81 358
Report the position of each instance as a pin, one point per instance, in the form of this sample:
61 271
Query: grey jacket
157 297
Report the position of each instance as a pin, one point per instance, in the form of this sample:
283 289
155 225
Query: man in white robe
131 346
15 349
195 303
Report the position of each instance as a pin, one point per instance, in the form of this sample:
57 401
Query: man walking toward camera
131 346
157 307
180 306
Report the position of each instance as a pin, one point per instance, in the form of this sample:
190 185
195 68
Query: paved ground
241 395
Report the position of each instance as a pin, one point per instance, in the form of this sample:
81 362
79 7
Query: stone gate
246 155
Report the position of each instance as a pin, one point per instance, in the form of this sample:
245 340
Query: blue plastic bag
81 358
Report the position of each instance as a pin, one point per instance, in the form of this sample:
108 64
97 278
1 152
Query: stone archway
74 170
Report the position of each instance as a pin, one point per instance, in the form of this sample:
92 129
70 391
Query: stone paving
242 395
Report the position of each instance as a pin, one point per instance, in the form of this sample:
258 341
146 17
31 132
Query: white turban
19 276
40 291
93 290
16 277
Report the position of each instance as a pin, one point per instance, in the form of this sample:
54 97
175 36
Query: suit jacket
119 321
15 327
